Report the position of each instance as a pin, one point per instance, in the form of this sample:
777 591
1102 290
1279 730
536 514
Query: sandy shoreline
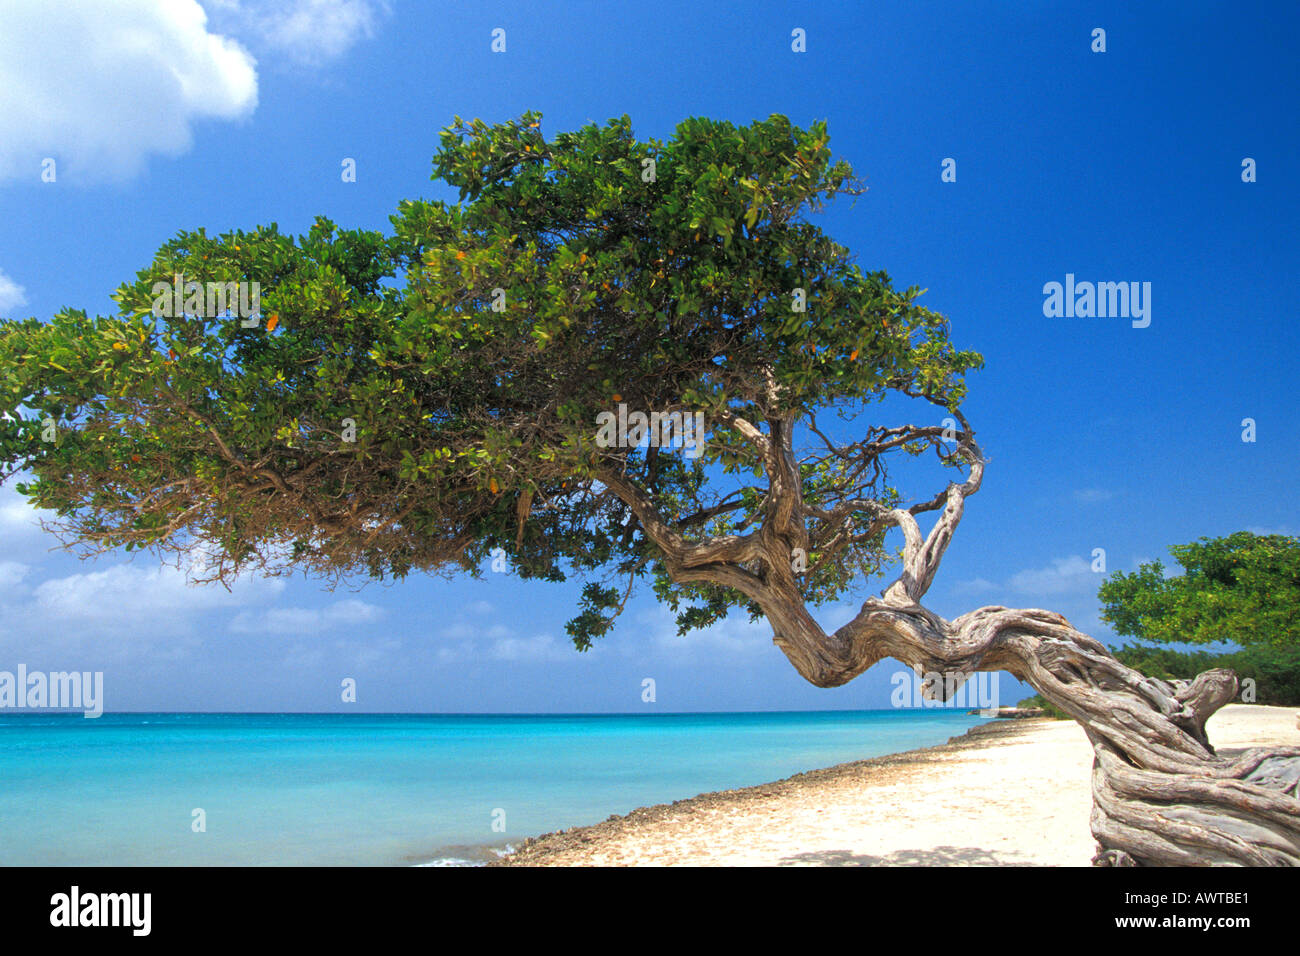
1010 792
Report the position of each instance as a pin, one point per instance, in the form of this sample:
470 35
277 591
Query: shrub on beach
1275 670
1243 590
1043 704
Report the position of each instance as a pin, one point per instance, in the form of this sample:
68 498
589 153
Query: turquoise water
326 789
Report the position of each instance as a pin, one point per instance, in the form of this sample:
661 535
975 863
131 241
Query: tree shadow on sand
934 856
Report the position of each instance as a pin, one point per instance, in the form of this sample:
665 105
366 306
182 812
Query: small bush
1038 700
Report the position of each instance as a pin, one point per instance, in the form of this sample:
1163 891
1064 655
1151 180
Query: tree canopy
416 401
425 400
1243 589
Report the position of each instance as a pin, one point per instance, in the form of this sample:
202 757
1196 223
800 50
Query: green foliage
1046 706
470 353
1243 589
1274 669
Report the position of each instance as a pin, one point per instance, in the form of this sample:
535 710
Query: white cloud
1064 577
127 612
457 654
101 86
1072 575
345 654
1067 586
12 295
309 32
127 595
305 620
465 641
541 647
1282 529
19 521
463 630
1090 496
11 575
734 635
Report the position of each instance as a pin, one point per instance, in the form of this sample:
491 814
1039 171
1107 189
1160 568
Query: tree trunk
1161 795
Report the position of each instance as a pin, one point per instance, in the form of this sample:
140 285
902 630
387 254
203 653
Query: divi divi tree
440 397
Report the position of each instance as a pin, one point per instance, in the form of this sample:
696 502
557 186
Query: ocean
387 789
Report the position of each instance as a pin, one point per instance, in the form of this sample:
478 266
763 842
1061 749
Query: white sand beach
1014 792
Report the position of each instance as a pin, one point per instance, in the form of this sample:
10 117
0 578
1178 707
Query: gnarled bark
1161 794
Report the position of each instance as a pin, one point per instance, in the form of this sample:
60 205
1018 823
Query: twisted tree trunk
1161 795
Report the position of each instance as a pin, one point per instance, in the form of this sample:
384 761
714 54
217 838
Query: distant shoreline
1009 792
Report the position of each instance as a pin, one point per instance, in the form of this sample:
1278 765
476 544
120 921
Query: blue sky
1117 166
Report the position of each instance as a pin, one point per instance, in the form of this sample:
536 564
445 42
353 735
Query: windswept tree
426 400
